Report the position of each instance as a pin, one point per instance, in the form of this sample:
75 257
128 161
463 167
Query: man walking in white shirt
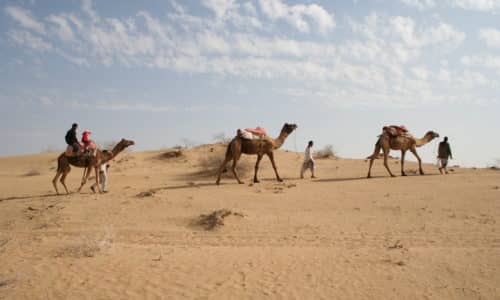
308 161
103 178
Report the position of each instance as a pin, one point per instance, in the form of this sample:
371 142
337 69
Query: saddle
395 131
90 151
252 133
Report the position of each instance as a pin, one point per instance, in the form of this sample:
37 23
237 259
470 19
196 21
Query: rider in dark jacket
71 138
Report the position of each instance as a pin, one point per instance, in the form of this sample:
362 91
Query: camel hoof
256 181
393 175
241 182
402 174
280 180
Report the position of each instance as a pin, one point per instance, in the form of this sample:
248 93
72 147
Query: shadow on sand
28 197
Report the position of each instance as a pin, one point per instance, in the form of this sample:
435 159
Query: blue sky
163 72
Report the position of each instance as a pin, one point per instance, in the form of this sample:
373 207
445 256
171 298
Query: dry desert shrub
325 153
209 164
222 138
496 165
78 251
215 219
175 152
31 173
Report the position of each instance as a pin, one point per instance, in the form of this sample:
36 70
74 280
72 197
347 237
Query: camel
87 162
403 143
258 147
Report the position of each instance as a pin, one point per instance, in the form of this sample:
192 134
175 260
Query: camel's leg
84 174
271 157
63 181
222 166
414 151
403 152
54 181
259 157
386 154
372 157
233 168
85 178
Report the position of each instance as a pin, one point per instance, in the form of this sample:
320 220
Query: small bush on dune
215 219
32 173
221 138
496 165
325 152
172 153
210 163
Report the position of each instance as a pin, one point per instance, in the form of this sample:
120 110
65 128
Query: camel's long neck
107 156
280 140
426 139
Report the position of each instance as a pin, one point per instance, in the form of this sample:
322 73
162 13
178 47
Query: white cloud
478 5
25 38
25 18
490 36
441 33
420 4
420 72
485 61
250 8
212 43
87 8
220 7
384 56
299 15
444 33
119 106
63 30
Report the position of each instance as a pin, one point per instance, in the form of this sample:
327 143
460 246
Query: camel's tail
59 163
228 149
375 153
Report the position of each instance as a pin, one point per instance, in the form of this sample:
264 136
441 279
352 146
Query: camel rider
86 140
71 138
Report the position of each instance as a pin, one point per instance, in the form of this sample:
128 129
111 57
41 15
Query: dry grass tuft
32 173
209 165
78 251
145 194
172 153
325 153
216 218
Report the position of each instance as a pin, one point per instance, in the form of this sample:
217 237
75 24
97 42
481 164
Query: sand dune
337 237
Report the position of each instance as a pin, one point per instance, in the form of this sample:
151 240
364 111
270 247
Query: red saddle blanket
257 130
394 130
91 146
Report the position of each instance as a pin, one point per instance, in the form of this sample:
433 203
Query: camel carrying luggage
252 133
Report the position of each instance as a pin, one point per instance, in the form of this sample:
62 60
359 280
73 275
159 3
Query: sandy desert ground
337 237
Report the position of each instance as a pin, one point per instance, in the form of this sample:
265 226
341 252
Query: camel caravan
86 155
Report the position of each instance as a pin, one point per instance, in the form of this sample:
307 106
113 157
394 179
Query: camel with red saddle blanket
93 160
398 138
257 142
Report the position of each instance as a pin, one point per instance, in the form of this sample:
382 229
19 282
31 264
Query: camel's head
289 128
124 143
432 134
